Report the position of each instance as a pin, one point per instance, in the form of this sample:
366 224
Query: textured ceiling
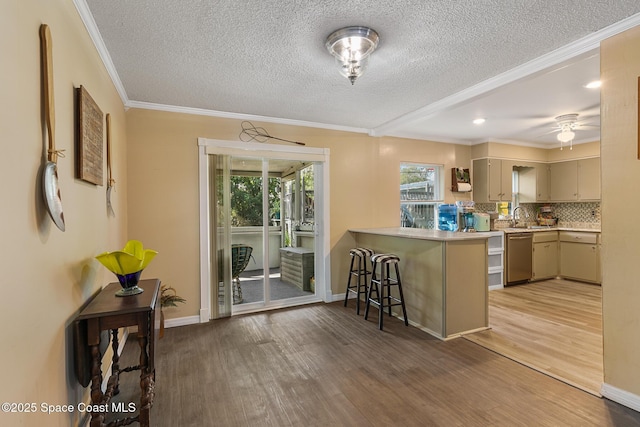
267 58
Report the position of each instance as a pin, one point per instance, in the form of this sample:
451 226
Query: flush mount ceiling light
567 124
479 121
351 47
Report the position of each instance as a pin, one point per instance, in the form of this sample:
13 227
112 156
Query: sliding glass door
264 239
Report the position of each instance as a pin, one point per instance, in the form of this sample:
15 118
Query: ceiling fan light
351 47
566 136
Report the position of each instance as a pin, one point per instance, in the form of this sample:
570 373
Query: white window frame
438 196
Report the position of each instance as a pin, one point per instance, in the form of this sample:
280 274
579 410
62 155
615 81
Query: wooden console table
109 312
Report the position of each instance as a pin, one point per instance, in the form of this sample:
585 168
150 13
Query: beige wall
580 151
48 274
509 151
620 68
163 191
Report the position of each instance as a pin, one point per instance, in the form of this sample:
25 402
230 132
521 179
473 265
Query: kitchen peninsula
444 276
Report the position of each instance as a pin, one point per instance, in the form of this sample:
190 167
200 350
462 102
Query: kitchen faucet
515 217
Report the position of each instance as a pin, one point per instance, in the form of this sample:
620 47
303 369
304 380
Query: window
421 191
505 209
306 190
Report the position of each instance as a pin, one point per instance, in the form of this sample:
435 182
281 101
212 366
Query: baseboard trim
620 396
181 321
340 297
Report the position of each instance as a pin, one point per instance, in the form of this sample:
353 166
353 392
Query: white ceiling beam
558 56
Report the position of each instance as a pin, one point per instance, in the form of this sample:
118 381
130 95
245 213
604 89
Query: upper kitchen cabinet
563 177
492 180
589 179
575 180
542 183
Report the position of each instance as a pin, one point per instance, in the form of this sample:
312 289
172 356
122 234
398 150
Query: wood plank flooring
554 326
322 365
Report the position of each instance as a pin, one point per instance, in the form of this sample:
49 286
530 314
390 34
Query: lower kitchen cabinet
580 256
545 255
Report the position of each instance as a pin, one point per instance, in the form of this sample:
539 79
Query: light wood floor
553 326
322 365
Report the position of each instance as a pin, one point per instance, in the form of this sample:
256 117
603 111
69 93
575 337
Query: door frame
319 156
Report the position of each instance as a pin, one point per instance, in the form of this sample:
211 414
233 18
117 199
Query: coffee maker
466 219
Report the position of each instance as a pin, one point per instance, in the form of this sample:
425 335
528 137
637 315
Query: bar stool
359 257
382 287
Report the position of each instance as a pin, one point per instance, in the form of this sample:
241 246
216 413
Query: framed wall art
89 138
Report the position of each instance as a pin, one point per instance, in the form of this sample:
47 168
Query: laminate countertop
423 234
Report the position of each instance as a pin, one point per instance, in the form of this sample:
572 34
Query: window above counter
421 191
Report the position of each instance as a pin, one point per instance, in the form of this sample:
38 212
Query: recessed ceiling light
479 121
594 84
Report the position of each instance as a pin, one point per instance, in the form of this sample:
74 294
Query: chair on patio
240 255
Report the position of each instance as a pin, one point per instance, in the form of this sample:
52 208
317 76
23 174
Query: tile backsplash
570 214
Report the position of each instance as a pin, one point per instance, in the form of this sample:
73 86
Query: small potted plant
168 298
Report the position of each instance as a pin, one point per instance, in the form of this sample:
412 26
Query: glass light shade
352 69
351 46
566 136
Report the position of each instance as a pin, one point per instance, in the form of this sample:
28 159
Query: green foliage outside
409 174
246 200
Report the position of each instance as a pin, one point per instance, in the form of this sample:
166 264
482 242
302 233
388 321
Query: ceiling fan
566 125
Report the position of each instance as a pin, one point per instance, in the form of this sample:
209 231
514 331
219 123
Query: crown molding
239 116
98 42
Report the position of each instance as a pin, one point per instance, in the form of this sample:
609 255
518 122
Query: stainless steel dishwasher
519 257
